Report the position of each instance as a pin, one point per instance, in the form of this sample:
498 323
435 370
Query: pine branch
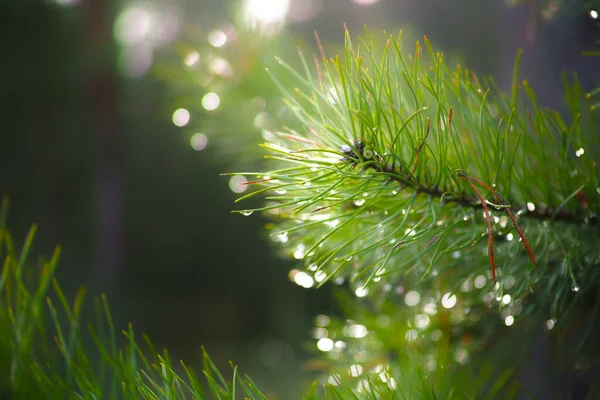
373 185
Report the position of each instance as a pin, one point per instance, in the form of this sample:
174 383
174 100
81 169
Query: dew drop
359 203
246 213
281 191
575 288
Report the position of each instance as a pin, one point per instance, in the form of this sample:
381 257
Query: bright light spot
509 237
211 101
579 152
299 252
217 38
198 141
281 237
325 344
412 298
333 98
340 345
422 321
361 291
384 376
303 279
363 386
238 184
322 320
430 308
549 324
267 16
192 58
320 276
318 332
220 66
530 206
356 370
334 379
594 14
461 355
411 335
181 117
456 254
356 331
392 384
449 300
575 288
506 299
132 25
365 2
480 281
164 27
333 224
503 221
508 321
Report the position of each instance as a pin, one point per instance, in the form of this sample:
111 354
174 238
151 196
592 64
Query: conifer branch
370 184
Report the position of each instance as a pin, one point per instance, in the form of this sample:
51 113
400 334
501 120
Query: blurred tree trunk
102 92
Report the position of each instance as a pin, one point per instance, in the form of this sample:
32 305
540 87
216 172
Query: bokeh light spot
211 101
192 58
237 184
449 300
461 356
421 321
356 331
412 298
267 16
325 344
480 281
334 379
198 141
356 370
508 321
303 279
132 25
217 38
220 66
411 335
181 117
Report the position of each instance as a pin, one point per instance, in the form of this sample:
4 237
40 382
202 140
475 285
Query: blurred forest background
117 118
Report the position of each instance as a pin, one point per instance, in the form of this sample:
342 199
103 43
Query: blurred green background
94 151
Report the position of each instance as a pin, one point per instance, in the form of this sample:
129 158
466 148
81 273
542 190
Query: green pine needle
374 188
